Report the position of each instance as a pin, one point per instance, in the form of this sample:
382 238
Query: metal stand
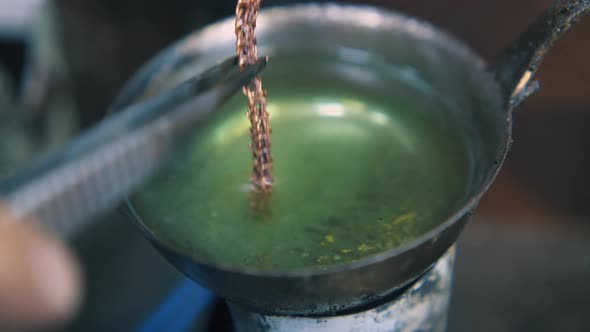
423 307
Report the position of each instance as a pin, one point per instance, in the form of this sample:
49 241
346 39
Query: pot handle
518 63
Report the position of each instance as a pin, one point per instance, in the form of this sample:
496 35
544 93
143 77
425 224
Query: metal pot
484 100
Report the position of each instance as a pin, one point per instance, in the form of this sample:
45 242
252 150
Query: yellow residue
364 247
406 217
329 238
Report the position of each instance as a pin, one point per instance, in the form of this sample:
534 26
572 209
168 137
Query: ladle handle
516 66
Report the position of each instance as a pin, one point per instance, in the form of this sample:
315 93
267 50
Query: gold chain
246 14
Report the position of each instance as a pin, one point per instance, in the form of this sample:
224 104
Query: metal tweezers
70 188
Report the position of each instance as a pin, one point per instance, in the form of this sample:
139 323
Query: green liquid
353 178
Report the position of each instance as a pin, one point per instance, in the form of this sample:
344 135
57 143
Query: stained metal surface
420 308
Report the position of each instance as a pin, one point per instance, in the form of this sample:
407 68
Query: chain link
246 49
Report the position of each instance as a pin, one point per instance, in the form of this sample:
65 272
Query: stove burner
421 307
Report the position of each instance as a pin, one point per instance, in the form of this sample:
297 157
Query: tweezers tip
262 62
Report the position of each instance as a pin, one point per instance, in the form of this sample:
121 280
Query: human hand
39 279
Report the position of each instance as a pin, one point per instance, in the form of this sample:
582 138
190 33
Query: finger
39 280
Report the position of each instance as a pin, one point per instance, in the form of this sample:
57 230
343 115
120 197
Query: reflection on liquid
337 108
330 109
355 176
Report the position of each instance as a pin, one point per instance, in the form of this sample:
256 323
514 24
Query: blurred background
524 261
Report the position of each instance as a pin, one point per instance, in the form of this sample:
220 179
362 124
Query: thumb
39 280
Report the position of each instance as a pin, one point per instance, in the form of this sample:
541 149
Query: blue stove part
179 310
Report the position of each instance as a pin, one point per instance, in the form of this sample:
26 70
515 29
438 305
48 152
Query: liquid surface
352 178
